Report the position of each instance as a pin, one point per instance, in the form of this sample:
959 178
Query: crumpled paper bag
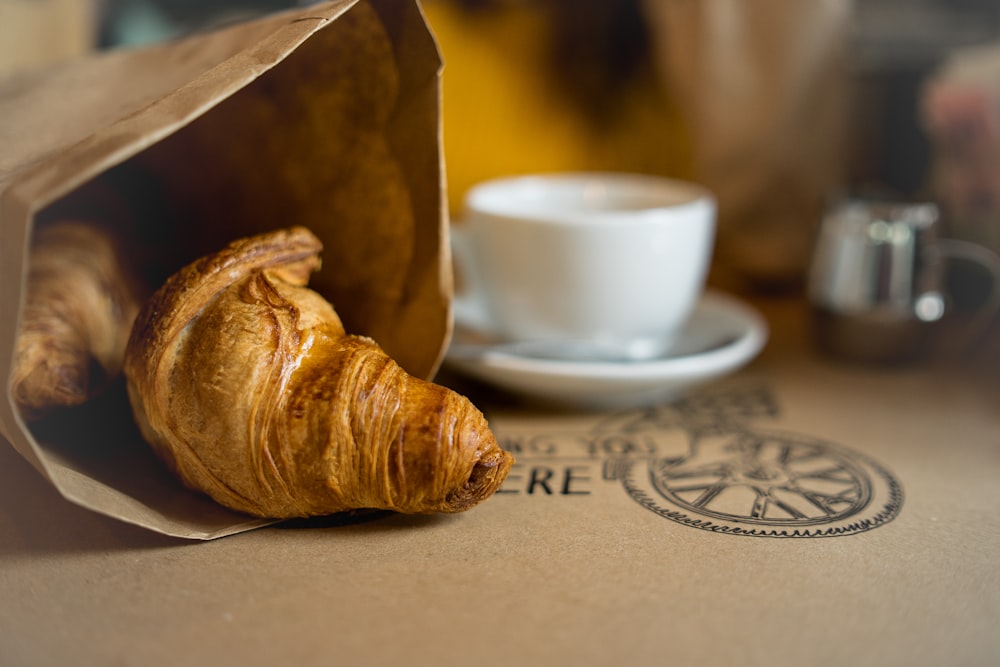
326 116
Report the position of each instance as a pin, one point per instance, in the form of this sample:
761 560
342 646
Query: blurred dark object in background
897 45
135 22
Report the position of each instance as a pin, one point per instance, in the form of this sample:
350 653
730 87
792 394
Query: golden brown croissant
78 313
244 381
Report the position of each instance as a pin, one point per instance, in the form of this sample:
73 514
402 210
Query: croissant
79 307
245 383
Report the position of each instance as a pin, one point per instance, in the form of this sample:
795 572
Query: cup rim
663 194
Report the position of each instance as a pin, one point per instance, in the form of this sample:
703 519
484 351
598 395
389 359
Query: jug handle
952 249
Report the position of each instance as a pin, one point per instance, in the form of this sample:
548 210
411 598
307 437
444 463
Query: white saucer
722 335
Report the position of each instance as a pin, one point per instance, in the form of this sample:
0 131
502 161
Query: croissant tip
485 479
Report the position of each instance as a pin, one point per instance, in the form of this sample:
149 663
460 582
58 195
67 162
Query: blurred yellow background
504 112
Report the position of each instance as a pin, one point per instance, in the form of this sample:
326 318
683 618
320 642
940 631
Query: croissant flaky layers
244 381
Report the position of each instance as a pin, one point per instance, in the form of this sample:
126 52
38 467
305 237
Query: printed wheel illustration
765 484
765 479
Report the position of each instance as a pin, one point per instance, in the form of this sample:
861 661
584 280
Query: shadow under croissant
349 518
101 440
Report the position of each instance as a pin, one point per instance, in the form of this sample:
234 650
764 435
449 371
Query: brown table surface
569 565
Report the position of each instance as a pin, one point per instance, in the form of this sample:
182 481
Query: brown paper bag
325 117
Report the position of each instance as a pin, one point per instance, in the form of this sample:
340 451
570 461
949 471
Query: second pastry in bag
80 302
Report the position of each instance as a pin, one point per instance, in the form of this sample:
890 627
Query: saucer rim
749 339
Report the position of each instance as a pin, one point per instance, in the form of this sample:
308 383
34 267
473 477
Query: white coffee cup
597 265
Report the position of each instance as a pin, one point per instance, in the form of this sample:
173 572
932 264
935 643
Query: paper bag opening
325 117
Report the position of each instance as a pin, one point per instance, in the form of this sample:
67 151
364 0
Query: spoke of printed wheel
759 505
796 455
834 473
751 445
707 470
709 494
696 487
824 501
792 511
773 451
784 455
